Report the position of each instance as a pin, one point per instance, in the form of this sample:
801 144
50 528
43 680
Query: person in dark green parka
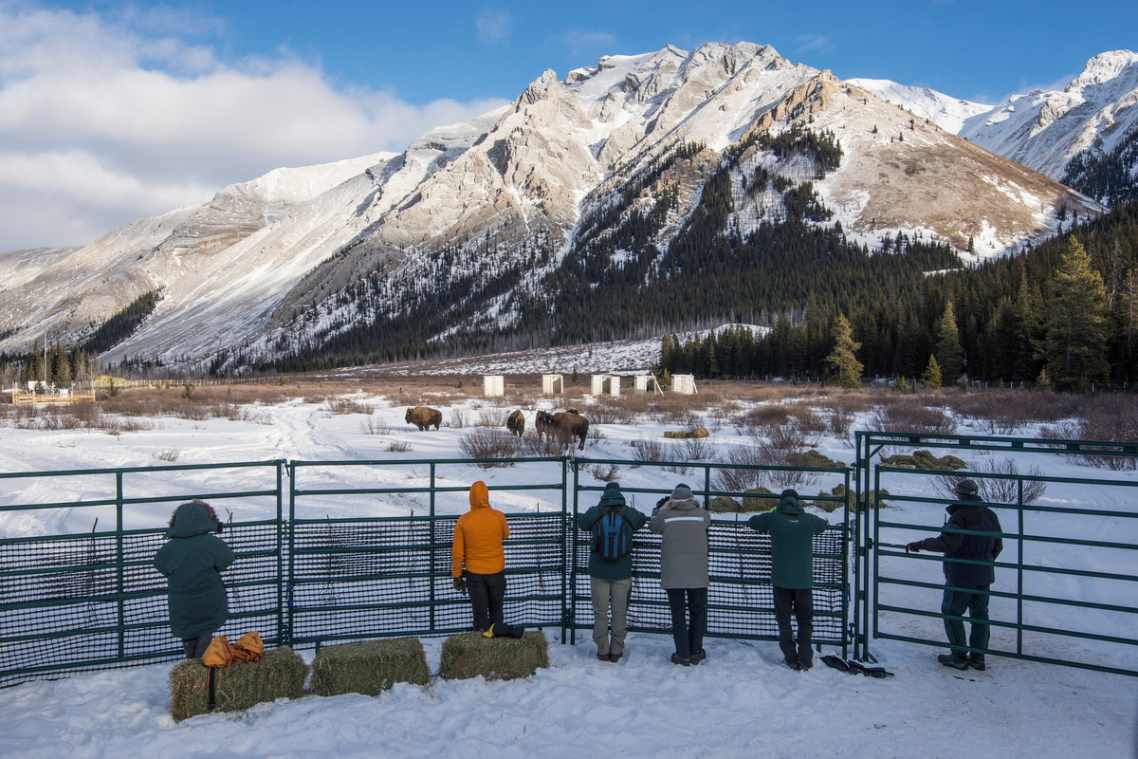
191 561
792 534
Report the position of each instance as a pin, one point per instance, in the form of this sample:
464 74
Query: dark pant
801 603
486 594
194 648
975 602
688 633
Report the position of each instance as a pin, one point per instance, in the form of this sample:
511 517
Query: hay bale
813 459
471 655
695 433
369 667
280 674
721 503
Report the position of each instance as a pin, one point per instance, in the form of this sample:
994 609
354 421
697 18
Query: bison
516 423
570 425
543 423
424 417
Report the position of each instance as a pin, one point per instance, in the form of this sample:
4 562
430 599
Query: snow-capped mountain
459 232
1095 112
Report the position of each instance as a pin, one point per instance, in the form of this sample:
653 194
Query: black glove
460 585
913 547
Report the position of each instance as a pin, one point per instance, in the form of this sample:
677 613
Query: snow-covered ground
741 703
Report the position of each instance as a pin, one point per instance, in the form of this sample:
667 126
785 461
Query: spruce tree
1077 327
843 359
949 353
932 376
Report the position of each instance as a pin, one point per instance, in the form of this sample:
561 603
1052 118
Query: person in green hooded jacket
792 534
191 560
610 567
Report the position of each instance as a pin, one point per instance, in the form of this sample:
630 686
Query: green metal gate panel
903 593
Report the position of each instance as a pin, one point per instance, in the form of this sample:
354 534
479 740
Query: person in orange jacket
478 562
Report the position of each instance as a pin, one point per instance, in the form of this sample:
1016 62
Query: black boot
953 661
683 661
976 661
792 663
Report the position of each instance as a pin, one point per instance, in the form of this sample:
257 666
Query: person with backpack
792 534
478 563
683 524
191 560
971 542
611 524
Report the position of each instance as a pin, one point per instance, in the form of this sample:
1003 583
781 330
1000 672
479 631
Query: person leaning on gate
792 534
478 563
191 560
971 536
683 570
611 524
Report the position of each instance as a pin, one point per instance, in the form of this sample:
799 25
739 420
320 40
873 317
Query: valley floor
742 702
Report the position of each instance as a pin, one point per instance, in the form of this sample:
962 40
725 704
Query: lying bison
570 425
424 417
516 423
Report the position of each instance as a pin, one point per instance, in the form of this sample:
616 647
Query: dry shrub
604 472
470 655
345 406
649 450
997 490
840 422
493 417
697 449
457 419
1112 418
1005 411
912 417
806 420
170 455
765 417
369 667
398 446
740 480
373 425
280 674
486 443
536 445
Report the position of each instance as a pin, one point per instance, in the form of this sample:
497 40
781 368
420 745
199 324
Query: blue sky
113 111
980 50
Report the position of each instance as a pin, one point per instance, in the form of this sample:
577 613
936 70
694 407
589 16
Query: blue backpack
611 540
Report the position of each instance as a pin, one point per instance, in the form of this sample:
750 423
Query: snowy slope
1044 129
945 111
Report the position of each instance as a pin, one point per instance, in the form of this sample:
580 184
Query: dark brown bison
543 423
516 423
570 425
424 417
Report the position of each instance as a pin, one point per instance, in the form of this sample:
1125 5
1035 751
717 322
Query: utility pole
45 359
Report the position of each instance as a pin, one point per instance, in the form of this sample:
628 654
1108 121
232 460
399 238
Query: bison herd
565 427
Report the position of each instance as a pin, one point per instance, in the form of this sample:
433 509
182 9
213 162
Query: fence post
564 549
280 565
291 547
119 565
431 572
1019 571
846 568
573 568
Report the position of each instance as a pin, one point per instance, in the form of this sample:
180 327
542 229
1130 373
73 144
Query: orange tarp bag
249 647
219 654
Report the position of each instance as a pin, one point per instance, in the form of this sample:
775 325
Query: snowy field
741 703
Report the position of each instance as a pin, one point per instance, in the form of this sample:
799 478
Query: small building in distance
606 384
684 384
552 384
645 383
493 386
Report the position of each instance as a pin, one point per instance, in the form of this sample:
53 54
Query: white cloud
493 25
808 43
580 40
103 121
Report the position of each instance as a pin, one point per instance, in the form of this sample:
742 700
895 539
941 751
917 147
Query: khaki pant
614 592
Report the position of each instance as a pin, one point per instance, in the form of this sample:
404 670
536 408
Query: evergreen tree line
122 324
62 368
1110 177
1065 313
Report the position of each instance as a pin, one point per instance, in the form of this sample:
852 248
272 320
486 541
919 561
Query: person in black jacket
971 535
